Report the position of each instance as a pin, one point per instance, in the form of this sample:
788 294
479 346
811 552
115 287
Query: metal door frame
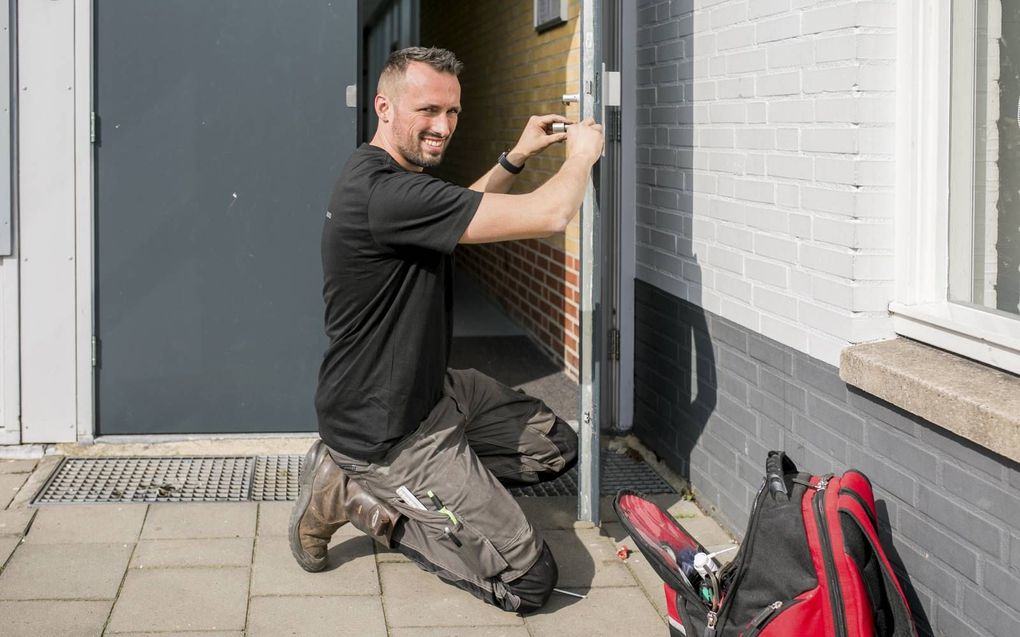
600 342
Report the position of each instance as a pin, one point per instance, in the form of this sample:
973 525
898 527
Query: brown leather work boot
329 499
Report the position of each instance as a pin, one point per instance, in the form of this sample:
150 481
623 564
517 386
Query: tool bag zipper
835 594
710 621
740 560
763 617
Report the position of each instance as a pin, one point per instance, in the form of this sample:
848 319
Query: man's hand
585 140
536 137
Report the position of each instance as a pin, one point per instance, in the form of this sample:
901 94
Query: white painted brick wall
769 127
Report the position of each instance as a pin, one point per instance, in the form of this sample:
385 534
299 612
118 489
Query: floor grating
266 479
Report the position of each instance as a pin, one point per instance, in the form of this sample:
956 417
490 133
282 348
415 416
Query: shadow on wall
917 608
675 375
675 369
510 73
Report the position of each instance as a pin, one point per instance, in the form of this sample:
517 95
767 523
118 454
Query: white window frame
921 309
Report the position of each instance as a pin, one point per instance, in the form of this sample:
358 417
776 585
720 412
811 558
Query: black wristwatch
510 168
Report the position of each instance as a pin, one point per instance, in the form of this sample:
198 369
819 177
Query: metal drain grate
276 478
264 479
617 471
209 479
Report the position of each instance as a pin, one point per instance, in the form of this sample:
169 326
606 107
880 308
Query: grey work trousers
479 436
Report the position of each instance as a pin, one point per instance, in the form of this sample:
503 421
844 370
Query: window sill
974 401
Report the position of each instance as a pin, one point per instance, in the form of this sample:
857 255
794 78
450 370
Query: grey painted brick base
712 398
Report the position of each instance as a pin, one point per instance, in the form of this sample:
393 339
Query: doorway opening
520 59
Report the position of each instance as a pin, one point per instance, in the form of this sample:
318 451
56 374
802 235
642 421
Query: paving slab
707 531
17 466
463 631
7 546
606 611
184 599
10 484
639 566
67 618
383 554
176 633
15 521
552 512
587 559
72 571
236 551
351 570
348 616
35 481
87 523
200 520
414 598
274 518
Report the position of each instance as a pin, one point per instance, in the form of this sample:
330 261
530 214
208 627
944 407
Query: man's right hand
547 210
584 139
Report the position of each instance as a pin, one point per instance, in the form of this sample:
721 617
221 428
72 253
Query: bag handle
776 466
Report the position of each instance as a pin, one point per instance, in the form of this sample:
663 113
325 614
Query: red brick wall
537 285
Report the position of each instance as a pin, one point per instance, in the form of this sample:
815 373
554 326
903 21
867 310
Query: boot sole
312 460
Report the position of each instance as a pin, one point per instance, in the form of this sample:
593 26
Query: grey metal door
221 127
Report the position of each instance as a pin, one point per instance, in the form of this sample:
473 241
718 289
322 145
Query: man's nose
441 126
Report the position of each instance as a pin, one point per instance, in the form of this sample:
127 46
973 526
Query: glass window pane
984 225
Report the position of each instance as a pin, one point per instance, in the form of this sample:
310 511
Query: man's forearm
564 191
498 179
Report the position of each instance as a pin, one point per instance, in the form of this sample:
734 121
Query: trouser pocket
450 544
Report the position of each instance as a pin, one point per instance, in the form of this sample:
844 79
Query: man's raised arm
548 209
536 137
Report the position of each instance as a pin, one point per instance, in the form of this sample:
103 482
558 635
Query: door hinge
614 344
93 118
610 87
95 351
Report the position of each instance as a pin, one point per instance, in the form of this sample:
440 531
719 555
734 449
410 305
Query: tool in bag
811 563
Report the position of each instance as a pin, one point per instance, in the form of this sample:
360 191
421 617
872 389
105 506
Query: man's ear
383 108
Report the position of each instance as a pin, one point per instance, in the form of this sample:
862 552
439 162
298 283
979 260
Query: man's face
423 114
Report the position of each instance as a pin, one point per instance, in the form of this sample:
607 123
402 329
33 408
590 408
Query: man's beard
416 155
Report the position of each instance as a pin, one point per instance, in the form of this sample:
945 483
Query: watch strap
510 168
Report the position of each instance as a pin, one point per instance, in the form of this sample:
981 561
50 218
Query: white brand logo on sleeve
329 215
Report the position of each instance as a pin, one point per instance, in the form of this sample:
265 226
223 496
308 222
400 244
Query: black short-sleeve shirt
387 245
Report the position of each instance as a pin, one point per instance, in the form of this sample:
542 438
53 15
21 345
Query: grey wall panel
6 124
222 128
712 397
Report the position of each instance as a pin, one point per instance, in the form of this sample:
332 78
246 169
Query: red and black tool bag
811 563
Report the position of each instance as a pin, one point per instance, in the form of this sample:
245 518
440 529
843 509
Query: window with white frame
958 247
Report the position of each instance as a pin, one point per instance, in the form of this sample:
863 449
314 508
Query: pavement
225 569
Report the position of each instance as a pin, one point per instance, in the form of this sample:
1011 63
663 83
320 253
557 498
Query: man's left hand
537 136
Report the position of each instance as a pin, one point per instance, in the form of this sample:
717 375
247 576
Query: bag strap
777 465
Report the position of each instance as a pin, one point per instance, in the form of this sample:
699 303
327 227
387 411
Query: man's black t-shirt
386 258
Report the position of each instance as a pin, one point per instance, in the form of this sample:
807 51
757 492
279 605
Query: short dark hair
441 60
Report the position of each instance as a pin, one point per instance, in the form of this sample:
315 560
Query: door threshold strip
265 479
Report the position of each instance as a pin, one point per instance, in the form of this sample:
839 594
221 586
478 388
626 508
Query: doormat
267 479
